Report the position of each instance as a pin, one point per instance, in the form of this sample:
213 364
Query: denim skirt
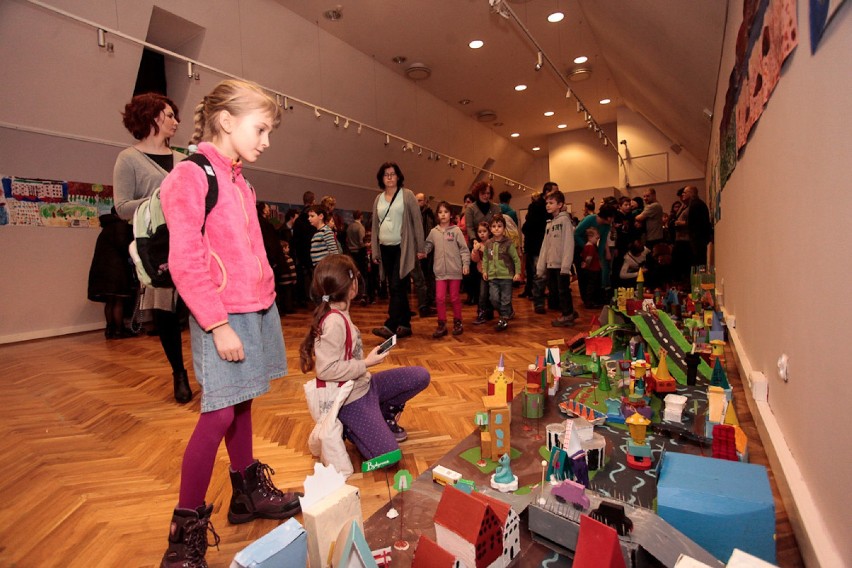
226 383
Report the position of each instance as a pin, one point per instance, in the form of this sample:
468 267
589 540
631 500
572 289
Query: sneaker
501 325
563 321
402 331
540 310
384 332
458 329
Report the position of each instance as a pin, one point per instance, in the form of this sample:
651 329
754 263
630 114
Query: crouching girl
333 347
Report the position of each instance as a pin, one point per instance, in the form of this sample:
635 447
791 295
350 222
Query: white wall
579 161
61 120
782 250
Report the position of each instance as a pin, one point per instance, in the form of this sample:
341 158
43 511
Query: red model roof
429 554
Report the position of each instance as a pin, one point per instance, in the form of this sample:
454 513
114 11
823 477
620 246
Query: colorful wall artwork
767 36
53 203
822 11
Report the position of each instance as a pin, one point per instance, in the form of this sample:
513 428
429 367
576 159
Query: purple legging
441 298
232 423
365 418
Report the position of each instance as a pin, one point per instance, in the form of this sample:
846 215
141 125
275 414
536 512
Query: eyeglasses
390 175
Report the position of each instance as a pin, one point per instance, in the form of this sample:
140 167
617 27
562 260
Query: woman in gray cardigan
397 237
152 119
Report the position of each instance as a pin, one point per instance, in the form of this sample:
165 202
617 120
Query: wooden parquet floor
92 440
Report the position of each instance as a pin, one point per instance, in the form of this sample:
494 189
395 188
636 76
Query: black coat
112 273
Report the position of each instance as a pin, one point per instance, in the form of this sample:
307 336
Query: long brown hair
333 277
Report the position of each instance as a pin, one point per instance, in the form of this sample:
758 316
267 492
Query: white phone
387 344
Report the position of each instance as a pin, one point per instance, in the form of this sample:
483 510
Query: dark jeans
594 288
399 313
501 296
366 289
530 260
561 283
424 282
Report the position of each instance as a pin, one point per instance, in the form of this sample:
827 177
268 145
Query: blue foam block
719 504
285 545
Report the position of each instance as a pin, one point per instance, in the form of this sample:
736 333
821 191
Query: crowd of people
313 260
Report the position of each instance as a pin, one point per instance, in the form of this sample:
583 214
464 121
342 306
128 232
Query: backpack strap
348 344
212 197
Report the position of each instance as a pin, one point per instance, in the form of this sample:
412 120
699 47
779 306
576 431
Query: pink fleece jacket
224 270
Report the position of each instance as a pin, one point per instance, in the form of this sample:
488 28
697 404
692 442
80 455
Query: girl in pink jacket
220 269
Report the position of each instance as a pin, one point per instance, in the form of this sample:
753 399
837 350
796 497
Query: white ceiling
660 58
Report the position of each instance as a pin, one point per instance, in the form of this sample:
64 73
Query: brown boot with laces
188 538
256 497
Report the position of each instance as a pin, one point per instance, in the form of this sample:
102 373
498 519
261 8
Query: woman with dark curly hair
152 119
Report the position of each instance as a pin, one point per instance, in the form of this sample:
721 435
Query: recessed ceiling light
520 87
536 148
464 102
561 126
549 113
333 14
555 17
476 44
399 59
605 101
514 134
581 59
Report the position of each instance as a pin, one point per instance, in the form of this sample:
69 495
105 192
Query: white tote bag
326 439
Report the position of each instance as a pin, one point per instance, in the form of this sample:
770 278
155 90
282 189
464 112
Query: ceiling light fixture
346 124
539 62
549 113
337 121
555 17
464 102
476 44
520 88
568 94
359 129
514 134
399 59
580 59
418 71
579 74
317 112
561 126
605 101
536 148
486 116
334 14
387 139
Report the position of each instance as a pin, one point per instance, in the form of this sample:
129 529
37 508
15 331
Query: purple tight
234 425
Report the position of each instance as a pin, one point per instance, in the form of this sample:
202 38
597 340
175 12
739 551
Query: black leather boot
256 497
188 538
183 393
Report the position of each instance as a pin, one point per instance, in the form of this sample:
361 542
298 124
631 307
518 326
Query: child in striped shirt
324 242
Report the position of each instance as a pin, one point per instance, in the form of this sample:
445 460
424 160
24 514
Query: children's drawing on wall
778 36
822 11
4 212
767 36
53 203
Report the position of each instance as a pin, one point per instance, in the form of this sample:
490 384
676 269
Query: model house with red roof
480 531
429 554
